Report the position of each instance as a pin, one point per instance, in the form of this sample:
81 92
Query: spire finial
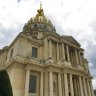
40 5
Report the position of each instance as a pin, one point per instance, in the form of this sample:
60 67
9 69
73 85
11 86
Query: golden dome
39 22
40 17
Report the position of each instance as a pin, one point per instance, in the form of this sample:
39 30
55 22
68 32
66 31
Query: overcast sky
70 17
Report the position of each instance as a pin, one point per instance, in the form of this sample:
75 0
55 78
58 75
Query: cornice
34 64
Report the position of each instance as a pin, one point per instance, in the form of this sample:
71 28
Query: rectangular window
32 84
34 52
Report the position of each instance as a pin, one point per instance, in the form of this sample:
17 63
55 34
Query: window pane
32 84
34 52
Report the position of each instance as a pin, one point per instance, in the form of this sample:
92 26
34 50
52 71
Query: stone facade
59 64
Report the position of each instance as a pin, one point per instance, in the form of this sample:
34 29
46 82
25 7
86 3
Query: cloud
70 17
94 83
90 54
18 1
8 34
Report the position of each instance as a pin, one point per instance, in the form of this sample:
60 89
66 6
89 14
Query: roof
71 39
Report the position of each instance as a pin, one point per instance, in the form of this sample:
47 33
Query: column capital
27 69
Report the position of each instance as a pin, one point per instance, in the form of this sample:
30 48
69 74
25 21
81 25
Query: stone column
83 61
46 48
80 58
57 52
92 93
59 84
67 49
76 56
66 85
85 88
71 58
81 87
27 82
88 87
50 49
62 83
46 83
75 87
63 51
71 85
50 84
74 59
41 84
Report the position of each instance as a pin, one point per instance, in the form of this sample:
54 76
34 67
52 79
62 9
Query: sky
75 18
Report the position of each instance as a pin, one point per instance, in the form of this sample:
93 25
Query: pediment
71 39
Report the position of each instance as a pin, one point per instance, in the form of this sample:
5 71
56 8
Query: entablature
70 43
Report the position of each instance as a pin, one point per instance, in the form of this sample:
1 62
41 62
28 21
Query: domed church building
40 62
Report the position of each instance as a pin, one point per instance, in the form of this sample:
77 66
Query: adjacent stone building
40 62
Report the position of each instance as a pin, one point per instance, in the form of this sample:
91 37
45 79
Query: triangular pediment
71 39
